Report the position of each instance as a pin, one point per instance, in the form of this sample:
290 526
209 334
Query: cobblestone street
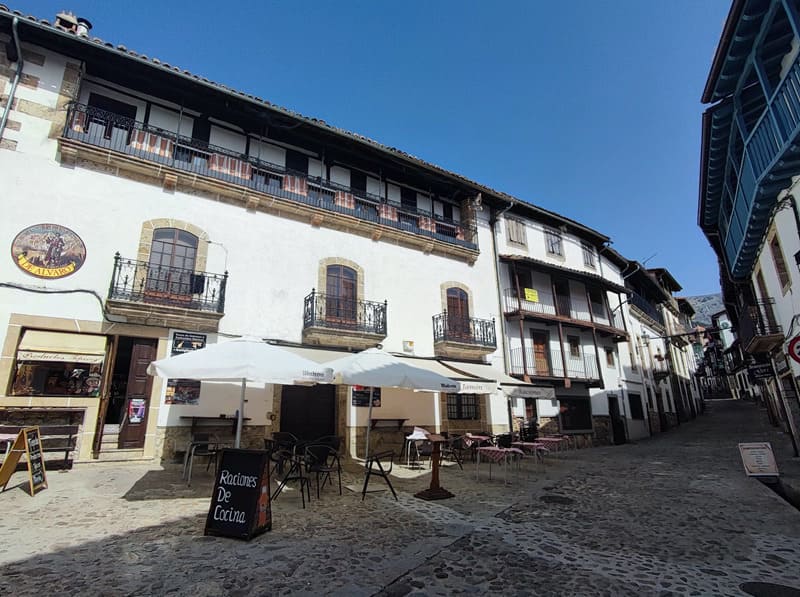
671 515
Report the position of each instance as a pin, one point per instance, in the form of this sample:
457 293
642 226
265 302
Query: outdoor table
435 491
553 443
494 454
538 449
470 439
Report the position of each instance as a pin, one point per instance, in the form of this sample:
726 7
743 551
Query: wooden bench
58 437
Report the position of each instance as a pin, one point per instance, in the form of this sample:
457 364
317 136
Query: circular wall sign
794 348
48 251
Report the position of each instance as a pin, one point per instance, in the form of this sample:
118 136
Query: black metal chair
453 450
376 460
296 472
202 445
323 461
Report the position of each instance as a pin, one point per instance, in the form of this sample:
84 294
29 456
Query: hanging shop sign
184 391
240 504
48 251
763 371
758 459
794 349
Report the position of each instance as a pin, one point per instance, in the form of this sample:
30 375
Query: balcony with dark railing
647 308
758 330
559 307
144 292
463 337
178 154
550 365
338 321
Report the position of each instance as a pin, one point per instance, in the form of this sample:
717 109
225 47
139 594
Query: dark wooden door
309 412
457 314
617 424
342 295
541 353
137 396
662 414
562 297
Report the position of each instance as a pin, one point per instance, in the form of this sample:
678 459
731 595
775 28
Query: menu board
240 504
361 396
33 446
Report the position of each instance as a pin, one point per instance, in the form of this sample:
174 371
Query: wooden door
309 412
457 314
137 396
617 424
541 353
341 294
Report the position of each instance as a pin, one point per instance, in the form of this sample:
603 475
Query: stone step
109 455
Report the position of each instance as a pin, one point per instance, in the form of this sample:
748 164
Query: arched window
171 264
341 293
457 312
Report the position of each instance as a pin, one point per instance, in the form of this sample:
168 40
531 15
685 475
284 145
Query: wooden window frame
553 242
516 231
779 262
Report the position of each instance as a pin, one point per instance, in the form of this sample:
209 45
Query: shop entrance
309 412
129 394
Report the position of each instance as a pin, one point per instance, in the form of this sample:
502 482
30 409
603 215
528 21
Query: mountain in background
705 306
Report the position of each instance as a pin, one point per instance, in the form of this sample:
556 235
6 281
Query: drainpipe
17 77
495 259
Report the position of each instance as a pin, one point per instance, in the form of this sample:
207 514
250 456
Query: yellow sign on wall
532 295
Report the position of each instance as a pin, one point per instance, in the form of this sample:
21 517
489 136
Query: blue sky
588 108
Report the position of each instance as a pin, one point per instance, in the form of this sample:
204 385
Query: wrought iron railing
758 320
466 330
143 282
559 305
647 308
550 364
111 131
322 310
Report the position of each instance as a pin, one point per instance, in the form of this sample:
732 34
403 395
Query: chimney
84 26
67 20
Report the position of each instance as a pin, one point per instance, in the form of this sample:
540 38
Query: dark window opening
408 198
575 414
637 412
463 406
296 161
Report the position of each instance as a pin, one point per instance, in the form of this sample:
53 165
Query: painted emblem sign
48 251
794 348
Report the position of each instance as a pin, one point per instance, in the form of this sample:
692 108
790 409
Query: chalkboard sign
28 442
362 394
33 446
240 505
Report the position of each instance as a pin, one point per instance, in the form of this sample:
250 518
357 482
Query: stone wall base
602 430
171 442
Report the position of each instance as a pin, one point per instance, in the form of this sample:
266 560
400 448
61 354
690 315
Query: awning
38 345
511 386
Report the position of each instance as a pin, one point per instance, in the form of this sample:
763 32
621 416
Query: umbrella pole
240 415
369 425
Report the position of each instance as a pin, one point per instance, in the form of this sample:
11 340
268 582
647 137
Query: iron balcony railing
758 320
125 135
322 310
549 364
143 282
466 330
647 308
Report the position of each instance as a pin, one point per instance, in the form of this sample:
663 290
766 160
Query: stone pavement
674 515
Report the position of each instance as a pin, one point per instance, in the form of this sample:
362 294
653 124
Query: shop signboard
361 396
758 372
48 251
29 442
184 391
240 503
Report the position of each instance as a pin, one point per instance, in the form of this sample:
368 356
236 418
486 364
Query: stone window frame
445 286
322 274
146 239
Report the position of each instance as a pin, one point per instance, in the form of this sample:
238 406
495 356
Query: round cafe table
435 491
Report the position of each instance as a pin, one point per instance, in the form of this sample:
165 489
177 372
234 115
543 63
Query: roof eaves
722 49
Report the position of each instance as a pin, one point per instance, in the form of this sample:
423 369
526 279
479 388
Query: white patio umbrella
242 359
378 368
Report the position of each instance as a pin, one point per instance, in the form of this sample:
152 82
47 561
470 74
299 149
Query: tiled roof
156 63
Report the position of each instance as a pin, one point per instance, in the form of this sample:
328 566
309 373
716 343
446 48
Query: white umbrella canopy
242 359
377 368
